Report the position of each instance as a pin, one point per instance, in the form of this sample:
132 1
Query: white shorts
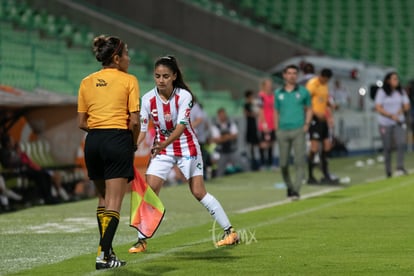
161 165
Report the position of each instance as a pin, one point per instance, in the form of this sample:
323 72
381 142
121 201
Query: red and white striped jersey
165 116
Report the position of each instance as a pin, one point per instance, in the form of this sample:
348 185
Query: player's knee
199 195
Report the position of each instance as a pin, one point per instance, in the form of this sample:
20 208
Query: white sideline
285 201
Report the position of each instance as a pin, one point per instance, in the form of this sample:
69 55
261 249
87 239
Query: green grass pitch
362 228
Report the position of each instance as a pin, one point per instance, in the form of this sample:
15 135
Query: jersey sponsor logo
101 83
190 104
167 132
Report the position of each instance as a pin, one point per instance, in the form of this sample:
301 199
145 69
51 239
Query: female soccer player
108 109
168 105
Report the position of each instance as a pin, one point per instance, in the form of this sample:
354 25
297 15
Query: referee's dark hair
326 72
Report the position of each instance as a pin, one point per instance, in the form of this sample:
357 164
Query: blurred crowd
24 183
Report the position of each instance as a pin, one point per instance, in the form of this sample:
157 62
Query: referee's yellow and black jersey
108 97
319 94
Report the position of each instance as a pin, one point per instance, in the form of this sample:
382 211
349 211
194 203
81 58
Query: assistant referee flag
147 209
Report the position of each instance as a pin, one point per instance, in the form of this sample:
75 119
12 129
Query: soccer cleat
401 171
312 181
230 237
111 262
293 195
139 246
329 181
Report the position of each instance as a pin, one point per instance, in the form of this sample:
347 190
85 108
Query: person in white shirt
391 102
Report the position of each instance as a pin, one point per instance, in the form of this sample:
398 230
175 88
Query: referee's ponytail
171 62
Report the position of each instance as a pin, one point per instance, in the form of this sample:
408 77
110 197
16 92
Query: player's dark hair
106 47
308 68
248 93
290 66
171 62
386 84
326 72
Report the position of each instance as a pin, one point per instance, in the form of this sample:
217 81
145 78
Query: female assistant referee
108 109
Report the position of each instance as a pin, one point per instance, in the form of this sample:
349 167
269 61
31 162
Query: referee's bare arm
83 121
134 126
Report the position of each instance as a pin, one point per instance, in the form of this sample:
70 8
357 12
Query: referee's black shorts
319 129
109 154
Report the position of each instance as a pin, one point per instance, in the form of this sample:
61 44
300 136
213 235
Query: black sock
109 226
262 157
270 156
310 164
324 163
252 152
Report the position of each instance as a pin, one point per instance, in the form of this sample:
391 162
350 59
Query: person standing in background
319 128
266 123
308 73
292 118
250 113
341 95
391 102
224 133
108 106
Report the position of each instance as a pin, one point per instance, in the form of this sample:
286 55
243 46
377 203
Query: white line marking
285 201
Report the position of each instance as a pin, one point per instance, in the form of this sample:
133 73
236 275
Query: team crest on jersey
167 117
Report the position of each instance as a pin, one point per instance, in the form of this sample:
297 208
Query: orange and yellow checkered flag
147 210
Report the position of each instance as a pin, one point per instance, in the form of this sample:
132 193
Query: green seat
146 86
139 71
49 64
58 86
18 78
15 54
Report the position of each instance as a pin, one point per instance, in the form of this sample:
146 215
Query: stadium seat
47 63
35 46
17 77
316 23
